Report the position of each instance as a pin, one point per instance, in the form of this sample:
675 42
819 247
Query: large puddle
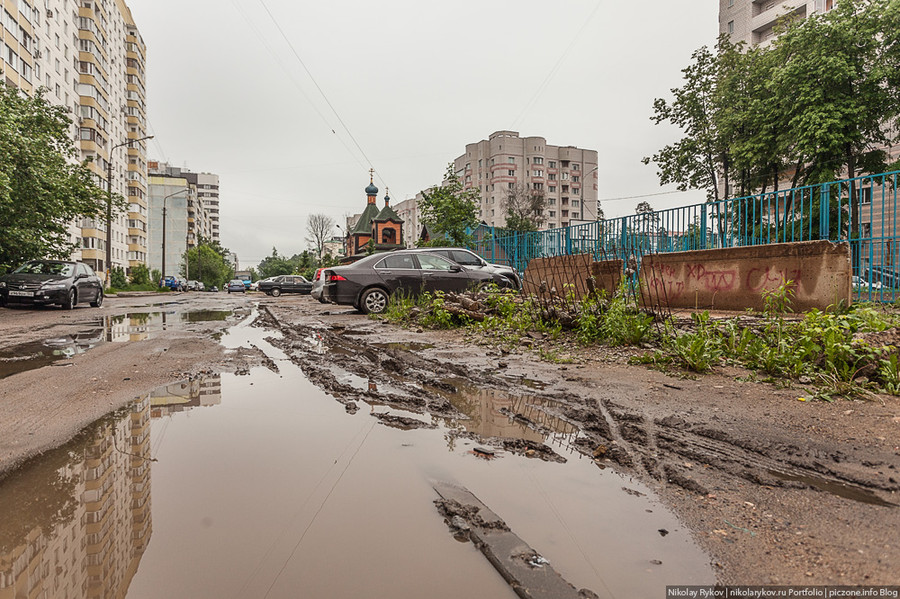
263 486
123 328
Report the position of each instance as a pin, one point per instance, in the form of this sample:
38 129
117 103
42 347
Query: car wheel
70 301
275 292
374 301
99 301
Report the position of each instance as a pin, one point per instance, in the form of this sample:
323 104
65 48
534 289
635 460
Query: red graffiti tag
770 277
713 280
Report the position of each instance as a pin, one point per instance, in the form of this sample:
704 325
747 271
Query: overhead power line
552 73
320 90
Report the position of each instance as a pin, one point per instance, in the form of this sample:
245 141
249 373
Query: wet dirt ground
295 446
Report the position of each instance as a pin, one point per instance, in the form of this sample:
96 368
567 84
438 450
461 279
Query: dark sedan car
52 282
368 284
285 284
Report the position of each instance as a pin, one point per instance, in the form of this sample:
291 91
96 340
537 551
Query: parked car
318 286
861 282
285 284
195 286
52 282
173 283
473 261
236 285
368 283
213 289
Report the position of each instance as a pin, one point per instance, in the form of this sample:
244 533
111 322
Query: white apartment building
191 203
753 21
567 175
90 57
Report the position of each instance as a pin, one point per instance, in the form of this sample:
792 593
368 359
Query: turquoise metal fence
862 211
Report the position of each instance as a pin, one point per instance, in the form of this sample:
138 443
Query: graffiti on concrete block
712 280
771 277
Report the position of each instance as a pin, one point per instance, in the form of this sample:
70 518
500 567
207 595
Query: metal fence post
824 211
703 227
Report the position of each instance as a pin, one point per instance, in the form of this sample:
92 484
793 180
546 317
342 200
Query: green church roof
364 225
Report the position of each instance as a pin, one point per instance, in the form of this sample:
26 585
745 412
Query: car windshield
46 268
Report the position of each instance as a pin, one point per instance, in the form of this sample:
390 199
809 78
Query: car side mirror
81 275
455 268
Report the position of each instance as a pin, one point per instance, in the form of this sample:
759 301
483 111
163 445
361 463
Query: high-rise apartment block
754 21
90 57
188 202
565 174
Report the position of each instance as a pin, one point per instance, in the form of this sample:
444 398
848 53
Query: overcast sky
413 81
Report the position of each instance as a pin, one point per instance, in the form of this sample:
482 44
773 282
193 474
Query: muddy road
205 445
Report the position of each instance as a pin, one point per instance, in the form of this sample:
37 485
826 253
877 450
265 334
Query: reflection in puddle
494 413
270 491
836 488
77 521
183 396
123 328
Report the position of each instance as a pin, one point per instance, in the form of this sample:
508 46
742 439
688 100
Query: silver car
473 261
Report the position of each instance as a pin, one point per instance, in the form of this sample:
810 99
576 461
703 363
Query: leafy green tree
450 210
140 275
275 265
695 161
204 263
42 188
155 276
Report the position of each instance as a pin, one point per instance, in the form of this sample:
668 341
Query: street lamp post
174 193
109 202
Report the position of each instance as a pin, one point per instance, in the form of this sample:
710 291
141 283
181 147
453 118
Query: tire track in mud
668 449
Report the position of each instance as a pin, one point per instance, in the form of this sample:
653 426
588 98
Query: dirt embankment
777 490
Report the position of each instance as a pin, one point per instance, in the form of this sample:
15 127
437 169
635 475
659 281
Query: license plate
21 293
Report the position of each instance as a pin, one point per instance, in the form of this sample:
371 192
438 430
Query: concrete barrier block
736 278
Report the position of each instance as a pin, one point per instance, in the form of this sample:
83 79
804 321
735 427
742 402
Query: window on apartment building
511 173
574 215
574 202
537 173
730 27
865 195
576 191
575 178
539 186
551 177
511 185
574 166
552 164
565 176
551 201
511 159
552 213
538 160
552 189
57 40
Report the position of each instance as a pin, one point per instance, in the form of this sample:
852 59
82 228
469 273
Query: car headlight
49 286
2 284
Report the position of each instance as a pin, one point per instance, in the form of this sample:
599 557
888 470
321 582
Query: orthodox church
383 228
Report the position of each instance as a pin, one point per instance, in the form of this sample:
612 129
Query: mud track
777 491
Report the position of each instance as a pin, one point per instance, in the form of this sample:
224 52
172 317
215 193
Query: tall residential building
191 203
567 175
90 57
753 21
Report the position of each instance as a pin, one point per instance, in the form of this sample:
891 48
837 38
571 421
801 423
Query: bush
140 275
117 278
